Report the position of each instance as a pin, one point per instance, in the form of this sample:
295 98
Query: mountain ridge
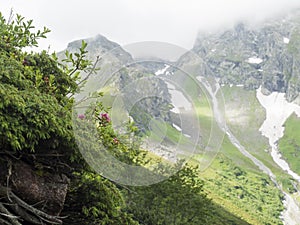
266 56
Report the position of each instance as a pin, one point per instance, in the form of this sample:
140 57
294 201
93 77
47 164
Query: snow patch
170 86
175 110
186 135
162 71
286 40
177 127
278 110
254 60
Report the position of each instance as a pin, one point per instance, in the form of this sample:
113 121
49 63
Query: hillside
241 114
93 135
241 60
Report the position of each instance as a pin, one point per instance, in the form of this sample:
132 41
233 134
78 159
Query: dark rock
46 191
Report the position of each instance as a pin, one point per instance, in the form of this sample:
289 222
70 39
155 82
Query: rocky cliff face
252 56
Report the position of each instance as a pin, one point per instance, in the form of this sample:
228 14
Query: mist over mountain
266 55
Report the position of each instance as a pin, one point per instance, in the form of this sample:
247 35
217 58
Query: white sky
128 21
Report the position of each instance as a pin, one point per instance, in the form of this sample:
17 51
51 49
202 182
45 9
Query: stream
290 216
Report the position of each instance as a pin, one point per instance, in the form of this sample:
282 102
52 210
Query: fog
128 21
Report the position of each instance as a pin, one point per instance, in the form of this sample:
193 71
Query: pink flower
116 141
81 116
105 117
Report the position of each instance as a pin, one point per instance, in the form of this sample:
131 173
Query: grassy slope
242 190
289 144
232 180
221 216
238 198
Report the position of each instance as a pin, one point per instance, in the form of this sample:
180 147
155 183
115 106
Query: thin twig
85 99
11 16
92 70
9 165
89 74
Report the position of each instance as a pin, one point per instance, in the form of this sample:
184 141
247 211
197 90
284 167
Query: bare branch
9 165
92 70
26 216
43 216
11 16
84 99
4 222
4 212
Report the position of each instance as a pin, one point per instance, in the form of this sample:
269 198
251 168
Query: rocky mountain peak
101 46
266 55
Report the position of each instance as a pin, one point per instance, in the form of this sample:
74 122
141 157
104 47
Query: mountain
266 55
242 176
254 76
100 45
145 94
122 76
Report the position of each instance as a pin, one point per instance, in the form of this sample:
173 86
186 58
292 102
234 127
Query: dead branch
26 216
9 165
43 216
25 211
4 212
91 71
4 222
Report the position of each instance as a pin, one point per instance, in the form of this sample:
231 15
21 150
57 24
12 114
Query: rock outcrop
266 56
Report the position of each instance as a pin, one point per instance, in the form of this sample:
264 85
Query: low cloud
129 21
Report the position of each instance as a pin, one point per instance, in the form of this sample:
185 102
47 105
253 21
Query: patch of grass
289 144
244 193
